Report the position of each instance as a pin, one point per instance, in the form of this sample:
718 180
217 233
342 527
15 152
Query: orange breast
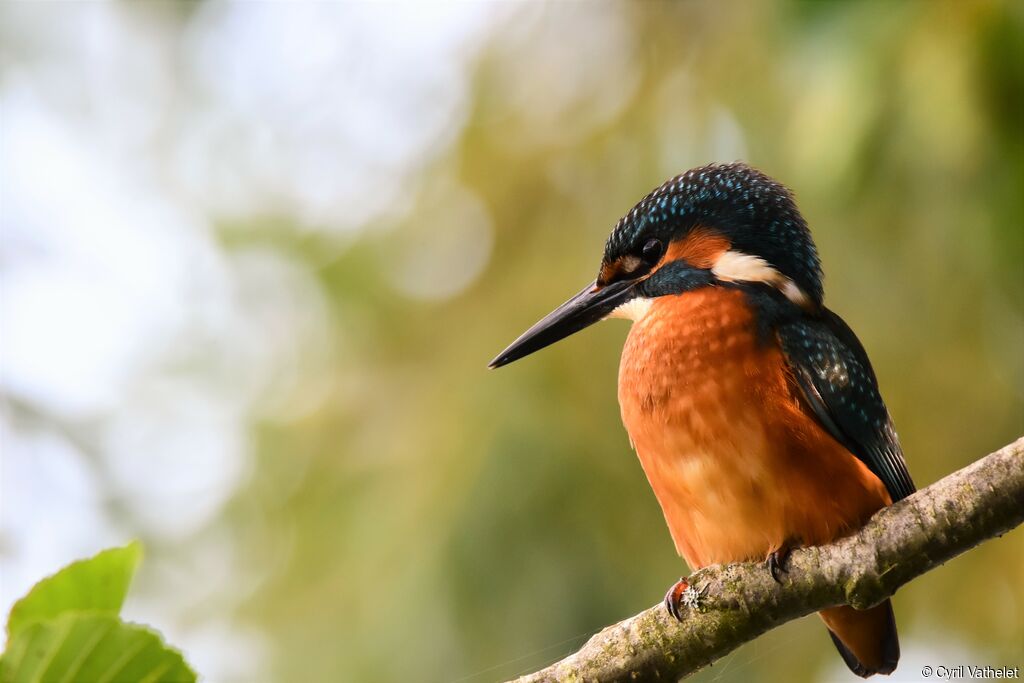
736 461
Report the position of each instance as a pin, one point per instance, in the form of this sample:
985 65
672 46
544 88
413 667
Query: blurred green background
256 257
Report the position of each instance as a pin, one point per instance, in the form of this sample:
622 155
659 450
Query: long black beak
592 304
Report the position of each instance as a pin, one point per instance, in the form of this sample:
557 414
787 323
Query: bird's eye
652 252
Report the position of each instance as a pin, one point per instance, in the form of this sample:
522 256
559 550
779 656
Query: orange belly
738 464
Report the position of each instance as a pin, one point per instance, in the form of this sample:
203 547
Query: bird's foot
776 561
681 595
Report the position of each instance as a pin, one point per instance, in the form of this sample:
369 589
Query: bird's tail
865 638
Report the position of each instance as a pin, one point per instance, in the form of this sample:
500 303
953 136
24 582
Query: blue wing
835 376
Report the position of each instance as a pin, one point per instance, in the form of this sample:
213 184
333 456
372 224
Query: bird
753 408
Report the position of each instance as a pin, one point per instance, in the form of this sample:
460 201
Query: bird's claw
675 596
681 595
776 562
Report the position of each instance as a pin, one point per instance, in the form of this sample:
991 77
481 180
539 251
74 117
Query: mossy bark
979 502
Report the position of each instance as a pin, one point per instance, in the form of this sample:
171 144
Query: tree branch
900 543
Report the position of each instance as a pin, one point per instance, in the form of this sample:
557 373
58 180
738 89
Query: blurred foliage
408 515
67 629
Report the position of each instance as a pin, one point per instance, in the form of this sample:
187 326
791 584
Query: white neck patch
735 266
634 309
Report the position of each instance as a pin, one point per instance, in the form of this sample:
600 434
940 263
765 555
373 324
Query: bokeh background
256 256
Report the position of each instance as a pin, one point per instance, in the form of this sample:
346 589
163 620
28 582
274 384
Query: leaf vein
83 655
118 665
65 628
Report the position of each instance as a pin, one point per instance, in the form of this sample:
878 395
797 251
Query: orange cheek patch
700 248
623 266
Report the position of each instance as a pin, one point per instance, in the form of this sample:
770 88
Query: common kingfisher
753 408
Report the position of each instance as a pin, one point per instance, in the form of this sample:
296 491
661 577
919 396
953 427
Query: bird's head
714 224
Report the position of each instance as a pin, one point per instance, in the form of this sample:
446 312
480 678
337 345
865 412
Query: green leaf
99 648
97 585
